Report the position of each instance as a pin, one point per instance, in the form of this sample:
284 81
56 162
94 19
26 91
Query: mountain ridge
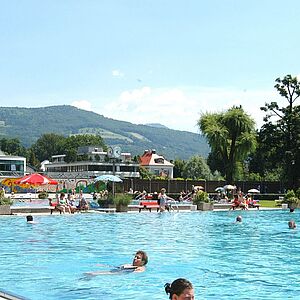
28 124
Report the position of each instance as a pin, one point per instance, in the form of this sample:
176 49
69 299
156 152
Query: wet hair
177 287
239 219
292 224
29 218
144 256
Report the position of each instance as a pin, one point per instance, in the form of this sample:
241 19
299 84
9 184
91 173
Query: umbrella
229 187
254 191
36 179
219 189
105 178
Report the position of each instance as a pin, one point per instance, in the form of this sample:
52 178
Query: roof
151 159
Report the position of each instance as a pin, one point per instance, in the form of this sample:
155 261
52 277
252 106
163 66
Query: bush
201 196
122 199
43 195
290 198
6 201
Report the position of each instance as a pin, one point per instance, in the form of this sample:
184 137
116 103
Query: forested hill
28 124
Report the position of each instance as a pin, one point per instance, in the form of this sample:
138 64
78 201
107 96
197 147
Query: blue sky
156 61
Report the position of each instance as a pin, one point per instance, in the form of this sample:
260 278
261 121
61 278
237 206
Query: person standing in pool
163 200
180 289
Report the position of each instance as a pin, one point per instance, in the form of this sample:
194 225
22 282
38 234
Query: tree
284 131
231 136
12 147
178 168
47 145
196 168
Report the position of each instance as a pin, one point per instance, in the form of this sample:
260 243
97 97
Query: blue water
258 259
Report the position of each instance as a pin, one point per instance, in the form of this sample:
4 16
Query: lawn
267 203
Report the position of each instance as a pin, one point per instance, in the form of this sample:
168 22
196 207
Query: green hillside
28 124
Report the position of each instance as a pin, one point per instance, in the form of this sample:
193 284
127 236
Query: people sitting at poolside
235 203
62 204
292 224
71 203
138 265
180 289
83 204
244 204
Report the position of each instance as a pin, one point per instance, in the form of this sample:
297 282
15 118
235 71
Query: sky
157 61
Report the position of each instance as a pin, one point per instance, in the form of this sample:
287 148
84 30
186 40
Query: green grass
267 203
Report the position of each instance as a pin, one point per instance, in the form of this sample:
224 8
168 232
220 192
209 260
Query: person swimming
29 219
180 289
239 219
138 265
292 224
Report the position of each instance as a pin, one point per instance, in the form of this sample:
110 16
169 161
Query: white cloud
82 104
181 108
117 73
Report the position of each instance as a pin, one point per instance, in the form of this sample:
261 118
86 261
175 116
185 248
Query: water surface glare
257 259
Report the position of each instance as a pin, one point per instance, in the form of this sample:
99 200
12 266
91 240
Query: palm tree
231 136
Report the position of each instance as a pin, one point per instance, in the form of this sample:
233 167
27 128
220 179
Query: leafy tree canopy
231 136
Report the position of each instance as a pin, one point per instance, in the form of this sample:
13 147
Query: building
156 164
12 166
92 162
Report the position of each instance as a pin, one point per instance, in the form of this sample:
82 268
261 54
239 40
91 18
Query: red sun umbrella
35 179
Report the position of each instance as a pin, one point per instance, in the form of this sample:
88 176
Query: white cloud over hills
180 108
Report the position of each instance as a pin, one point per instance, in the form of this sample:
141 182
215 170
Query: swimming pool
257 259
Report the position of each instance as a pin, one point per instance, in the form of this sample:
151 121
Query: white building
95 162
12 166
156 164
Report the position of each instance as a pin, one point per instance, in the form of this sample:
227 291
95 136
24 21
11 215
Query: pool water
257 259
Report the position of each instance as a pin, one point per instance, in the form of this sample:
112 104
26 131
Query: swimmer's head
239 219
140 258
180 287
29 218
292 224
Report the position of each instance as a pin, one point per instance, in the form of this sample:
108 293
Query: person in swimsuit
138 265
163 200
180 289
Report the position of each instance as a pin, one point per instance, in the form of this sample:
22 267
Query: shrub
122 199
6 201
43 195
201 196
290 198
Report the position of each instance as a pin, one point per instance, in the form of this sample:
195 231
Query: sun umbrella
254 191
35 179
105 178
219 189
229 187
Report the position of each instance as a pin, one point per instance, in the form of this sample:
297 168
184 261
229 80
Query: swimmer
292 224
180 289
138 265
29 219
239 219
